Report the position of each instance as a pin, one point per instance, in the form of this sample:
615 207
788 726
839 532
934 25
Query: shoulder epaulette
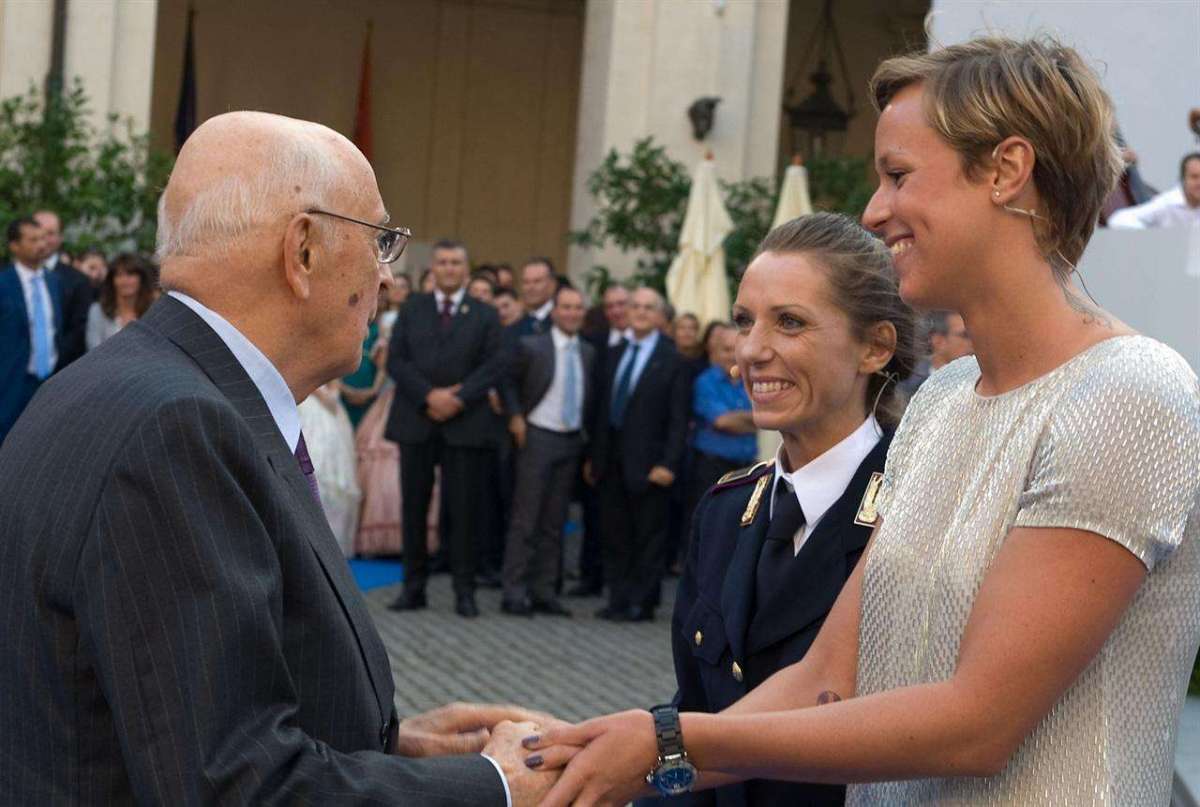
743 475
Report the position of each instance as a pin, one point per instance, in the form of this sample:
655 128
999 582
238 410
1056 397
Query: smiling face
799 358
928 212
645 312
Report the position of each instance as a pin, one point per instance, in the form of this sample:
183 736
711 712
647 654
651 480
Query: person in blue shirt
725 437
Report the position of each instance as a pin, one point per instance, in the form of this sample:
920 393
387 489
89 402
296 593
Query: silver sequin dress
1108 442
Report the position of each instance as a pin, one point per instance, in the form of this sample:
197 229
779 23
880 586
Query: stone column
26 27
644 63
110 45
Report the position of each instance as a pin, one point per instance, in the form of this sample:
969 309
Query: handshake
546 761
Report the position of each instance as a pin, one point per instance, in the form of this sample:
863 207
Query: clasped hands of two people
546 761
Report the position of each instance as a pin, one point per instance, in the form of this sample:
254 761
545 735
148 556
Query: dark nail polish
530 742
534 761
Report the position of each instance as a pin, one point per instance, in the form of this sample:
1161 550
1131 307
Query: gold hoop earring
735 372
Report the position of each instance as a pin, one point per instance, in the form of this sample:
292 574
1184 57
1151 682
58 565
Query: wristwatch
673 774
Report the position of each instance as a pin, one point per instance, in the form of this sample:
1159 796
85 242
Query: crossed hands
603 761
443 403
547 762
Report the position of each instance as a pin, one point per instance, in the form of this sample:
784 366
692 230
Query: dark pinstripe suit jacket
177 625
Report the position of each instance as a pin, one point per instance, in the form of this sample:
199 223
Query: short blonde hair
978 93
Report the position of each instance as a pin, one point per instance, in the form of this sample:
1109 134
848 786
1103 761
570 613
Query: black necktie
779 550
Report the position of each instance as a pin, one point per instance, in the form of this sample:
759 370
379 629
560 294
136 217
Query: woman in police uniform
823 337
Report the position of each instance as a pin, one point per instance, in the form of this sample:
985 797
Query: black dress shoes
639 614
550 606
610 614
409 601
584 590
465 606
520 607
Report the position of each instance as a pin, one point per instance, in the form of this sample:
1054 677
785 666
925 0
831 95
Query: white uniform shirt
824 479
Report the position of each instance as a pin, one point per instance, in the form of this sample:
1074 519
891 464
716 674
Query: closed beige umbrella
696 281
793 194
794 201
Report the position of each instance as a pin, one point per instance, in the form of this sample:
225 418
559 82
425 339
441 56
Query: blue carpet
371 574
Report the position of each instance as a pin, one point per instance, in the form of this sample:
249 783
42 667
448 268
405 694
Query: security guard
749 604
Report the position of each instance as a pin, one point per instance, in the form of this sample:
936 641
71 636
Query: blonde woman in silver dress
1023 626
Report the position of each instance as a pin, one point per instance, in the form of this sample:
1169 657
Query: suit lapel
194 337
737 592
10 281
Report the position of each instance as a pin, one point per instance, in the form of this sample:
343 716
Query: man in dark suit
444 357
549 396
31 317
538 284
180 626
640 437
77 291
606 341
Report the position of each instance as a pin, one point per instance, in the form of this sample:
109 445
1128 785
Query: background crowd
488 400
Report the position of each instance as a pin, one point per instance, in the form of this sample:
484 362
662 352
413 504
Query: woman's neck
805 443
1029 324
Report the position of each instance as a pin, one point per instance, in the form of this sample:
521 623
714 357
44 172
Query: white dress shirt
1169 209
274 390
455 299
548 414
27 277
615 335
279 400
824 479
542 313
646 346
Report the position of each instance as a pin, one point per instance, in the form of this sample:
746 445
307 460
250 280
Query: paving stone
573 668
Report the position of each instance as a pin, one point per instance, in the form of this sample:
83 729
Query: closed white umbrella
794 201
696 280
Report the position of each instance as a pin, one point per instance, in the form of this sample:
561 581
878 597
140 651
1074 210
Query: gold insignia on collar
868 513
755 500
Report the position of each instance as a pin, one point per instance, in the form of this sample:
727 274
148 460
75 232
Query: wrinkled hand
661 476
516 427
606 759
459 728
528 785
443 402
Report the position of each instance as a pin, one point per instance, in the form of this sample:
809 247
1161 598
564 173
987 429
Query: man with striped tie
31 311
548 395
179 625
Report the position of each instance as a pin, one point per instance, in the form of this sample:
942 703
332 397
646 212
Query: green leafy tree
103 184
641 199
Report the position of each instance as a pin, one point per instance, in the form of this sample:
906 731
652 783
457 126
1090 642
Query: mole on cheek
353 300
295 189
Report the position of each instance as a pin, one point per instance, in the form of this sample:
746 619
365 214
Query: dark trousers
464 476
635 540
591 555
546 470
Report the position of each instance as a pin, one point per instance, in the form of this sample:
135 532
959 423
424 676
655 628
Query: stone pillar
110 45
26 27
644 63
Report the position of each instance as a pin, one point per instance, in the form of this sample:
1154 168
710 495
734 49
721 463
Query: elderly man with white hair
178 624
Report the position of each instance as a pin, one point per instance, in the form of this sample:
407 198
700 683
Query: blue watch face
674 778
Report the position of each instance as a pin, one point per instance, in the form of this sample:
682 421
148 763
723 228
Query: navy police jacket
718 658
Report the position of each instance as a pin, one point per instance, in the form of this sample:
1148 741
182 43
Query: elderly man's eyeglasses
389 243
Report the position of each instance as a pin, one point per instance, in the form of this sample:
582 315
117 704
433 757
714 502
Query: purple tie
306 468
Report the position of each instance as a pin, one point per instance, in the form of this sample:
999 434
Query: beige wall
474 101
25 33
